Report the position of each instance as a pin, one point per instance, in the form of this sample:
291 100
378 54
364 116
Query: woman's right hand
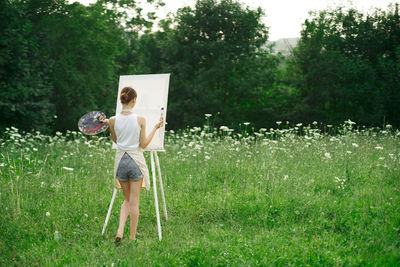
160 124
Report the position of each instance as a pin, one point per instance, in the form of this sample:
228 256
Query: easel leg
109 211
153 171
162 187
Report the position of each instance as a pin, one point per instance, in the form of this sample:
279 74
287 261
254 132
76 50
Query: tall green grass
286 196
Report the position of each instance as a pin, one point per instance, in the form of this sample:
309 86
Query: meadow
294 195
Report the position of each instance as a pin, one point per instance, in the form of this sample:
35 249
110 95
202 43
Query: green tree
346 66
219 61
63 59
83 44
25 86
90 47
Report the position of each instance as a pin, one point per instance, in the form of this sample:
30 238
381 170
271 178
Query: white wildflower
285 177
381 158
327 155
299 124
246 123
47 213
68 169
279 122
58 133
207 157
207 115
57 236
354 144
34 149
379 147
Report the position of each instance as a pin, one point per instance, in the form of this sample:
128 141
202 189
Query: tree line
59 61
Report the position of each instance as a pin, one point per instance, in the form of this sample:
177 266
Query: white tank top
127 130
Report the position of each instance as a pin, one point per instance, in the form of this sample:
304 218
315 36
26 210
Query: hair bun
124 98
127 94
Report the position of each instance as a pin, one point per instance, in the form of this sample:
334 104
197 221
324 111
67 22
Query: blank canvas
152 91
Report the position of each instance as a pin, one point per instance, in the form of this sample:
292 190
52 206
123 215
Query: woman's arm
145 141
112 132
111 123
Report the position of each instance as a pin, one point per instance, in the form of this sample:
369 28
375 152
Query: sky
283 17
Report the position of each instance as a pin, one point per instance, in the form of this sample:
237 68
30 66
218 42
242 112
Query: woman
128 131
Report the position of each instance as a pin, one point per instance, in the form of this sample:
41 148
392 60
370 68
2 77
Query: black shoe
117 241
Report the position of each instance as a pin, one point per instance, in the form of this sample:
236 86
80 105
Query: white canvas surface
152 91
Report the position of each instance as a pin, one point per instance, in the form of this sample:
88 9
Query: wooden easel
153 154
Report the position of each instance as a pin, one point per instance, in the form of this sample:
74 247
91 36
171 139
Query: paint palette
91 123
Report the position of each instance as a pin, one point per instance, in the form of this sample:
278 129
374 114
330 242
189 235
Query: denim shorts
128 169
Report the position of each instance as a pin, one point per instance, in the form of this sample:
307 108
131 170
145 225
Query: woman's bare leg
134 196
124 208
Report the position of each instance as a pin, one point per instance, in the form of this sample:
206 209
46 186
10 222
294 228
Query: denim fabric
128 169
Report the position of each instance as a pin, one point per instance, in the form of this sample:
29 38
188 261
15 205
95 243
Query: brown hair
127 94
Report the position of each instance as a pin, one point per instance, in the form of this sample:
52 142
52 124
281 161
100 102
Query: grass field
285 196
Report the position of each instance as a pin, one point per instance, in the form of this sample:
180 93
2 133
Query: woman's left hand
105 120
